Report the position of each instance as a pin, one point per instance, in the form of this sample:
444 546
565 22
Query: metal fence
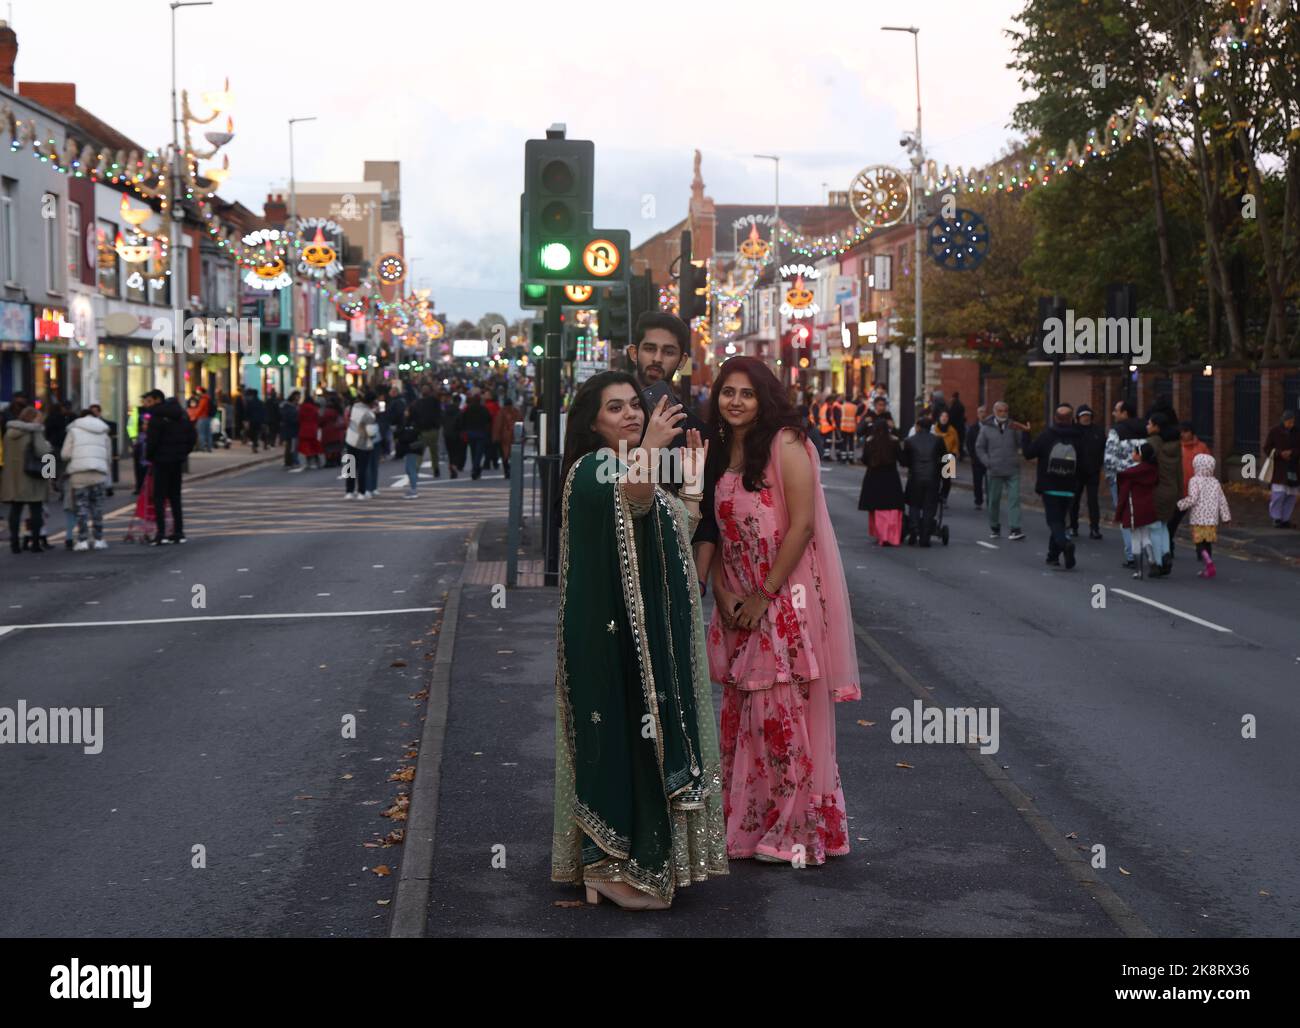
1245 416
1202 415
1291 392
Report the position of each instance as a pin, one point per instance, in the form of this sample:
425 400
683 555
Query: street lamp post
174 225
293 272
776 248
918 160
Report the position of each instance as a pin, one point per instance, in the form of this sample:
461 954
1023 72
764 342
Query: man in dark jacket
289 428
977 468
1057 451
662 342
923 455
1092 449
254 417
170 437
427 414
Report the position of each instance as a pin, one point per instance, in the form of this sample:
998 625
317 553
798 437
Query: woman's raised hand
694 455
662 426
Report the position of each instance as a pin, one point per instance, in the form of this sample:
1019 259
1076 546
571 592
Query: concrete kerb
411 901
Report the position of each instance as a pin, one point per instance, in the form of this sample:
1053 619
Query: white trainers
99 544
349 496
372 494
81 547
363 496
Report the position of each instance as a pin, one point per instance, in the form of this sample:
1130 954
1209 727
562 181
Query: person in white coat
88 451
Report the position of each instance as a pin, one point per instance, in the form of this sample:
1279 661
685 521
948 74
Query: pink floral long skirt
780 779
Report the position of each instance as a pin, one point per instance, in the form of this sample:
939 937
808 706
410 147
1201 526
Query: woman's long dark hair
882 448
774 413
580 438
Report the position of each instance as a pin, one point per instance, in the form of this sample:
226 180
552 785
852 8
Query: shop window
74 242
9 229
50 229
106 259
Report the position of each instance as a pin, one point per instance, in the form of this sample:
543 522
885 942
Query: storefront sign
16 326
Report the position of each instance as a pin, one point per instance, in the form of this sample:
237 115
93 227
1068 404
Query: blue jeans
478 444
413 470
204 427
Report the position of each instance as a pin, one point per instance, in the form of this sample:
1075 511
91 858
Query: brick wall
1225 402
962 375
1183 392
1270 395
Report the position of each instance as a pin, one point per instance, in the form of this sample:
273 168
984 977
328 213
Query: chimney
55 95
275 211
8 54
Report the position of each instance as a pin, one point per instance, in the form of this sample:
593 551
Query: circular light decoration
435 330
391 268
879 195
601 258
959 243
754 249
350 303
578 294
799 301
318 258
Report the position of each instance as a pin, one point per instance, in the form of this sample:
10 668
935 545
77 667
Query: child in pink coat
1209 506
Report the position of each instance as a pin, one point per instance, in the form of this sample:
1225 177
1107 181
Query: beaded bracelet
763 589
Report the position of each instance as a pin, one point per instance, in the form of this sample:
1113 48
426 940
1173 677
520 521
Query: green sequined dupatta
636 777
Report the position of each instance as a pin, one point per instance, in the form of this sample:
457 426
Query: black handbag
32 463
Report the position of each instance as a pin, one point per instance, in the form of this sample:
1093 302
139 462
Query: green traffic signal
538 349
535 291
555 257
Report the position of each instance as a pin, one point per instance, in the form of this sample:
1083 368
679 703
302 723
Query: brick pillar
1225 402
1271 374
1146 390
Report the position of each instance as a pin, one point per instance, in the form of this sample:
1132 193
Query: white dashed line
169 601
981 542
241 569
309 567
322 594
1173 610
246 596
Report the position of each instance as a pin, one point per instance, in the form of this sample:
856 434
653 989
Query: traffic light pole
551 483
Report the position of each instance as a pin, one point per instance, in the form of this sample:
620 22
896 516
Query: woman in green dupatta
638 809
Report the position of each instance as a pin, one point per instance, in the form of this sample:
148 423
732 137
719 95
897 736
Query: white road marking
1173 610
322 594
92 603
18 606
981 542
376 565
246 596
399 591
169 601
5 629
309 567
241 569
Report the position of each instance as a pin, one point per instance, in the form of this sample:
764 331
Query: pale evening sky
453 90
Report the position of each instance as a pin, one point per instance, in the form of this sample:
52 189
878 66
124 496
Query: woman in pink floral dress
781 639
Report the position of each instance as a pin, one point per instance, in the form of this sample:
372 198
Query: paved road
226 734
1119 727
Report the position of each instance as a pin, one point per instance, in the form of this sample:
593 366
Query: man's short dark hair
1123 405
662 319
155 394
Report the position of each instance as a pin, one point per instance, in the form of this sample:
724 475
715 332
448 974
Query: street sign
601 258
578 294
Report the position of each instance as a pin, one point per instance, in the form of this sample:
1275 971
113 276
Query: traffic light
558 244
556 206
539 338
692 285
641 292
613 315
532 296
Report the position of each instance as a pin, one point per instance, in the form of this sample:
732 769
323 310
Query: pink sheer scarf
833 643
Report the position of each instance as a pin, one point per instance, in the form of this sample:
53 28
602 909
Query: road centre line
1174 610
6 629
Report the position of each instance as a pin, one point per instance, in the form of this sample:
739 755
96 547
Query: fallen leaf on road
407 774
903 763
383 903
398 810
867 724
569 903
371 845
1123 872
411 754
398 663
396 837
304 797
1073 835
346 778
423 694
1265 892
383 870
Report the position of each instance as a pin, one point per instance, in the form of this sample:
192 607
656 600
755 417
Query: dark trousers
359 482
137 449
1057 509
978 472
478 444
1088 482
167 490
1173 523
923 501
36 512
